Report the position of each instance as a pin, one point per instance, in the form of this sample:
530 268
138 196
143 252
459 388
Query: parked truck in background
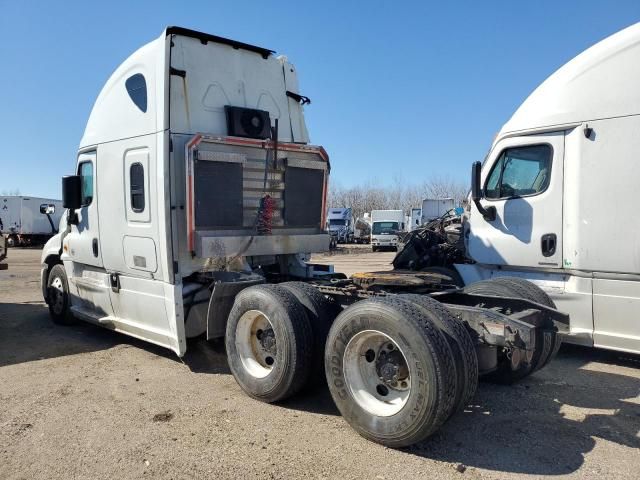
362 232
341 225
195 202
28 221
416 218
433 208
385 228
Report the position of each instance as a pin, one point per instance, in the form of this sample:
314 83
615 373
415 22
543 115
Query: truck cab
195 159
340 225
555 198
385 228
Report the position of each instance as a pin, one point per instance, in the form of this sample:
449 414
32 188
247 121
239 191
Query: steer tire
462 347
288 323
530 291
58 297
432 372
544 341
321 312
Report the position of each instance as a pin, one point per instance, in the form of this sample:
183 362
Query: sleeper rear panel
218 194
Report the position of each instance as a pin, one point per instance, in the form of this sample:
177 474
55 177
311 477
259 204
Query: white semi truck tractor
341 225
195 202
555 200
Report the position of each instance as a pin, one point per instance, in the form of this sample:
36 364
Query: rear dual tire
391 370
269 343
547 342
275 338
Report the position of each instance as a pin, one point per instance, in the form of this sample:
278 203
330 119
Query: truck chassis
402 350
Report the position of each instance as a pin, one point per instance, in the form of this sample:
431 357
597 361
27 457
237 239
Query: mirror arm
72 217
488 213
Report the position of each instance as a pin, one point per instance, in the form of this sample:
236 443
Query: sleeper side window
520 172
85 170
136 178
137 89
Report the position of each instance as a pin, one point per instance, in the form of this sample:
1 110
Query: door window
85 170
520 172
136 179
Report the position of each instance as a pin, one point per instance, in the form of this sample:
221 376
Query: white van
555 198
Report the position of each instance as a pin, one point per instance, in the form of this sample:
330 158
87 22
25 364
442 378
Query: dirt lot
84 402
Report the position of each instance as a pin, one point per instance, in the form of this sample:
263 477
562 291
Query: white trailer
433 208
554 201
385 226
195 202
29 220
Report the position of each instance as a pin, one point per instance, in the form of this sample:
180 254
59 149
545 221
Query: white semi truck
554 201
195 201
385 228
341 225
29 220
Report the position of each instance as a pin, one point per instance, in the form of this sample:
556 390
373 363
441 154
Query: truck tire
269 342
390 371
451 273
530 291
374 249
462 347
544 342
58 296
321 312
12 241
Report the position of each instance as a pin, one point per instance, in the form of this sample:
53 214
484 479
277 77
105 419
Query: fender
50 257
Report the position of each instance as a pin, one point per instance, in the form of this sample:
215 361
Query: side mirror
488 213
71 192
47 209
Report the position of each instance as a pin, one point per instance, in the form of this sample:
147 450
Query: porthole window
137 89
136 178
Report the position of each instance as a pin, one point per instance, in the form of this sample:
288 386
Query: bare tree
399 195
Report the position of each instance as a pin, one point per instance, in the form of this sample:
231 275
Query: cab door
82 256
522 179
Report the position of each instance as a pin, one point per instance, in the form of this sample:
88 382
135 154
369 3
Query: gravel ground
85 402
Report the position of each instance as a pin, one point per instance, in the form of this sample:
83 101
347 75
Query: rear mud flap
222 298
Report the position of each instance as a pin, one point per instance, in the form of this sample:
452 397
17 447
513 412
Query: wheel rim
256 343
57 295
377 373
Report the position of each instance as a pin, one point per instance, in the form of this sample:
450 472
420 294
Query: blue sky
410 89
